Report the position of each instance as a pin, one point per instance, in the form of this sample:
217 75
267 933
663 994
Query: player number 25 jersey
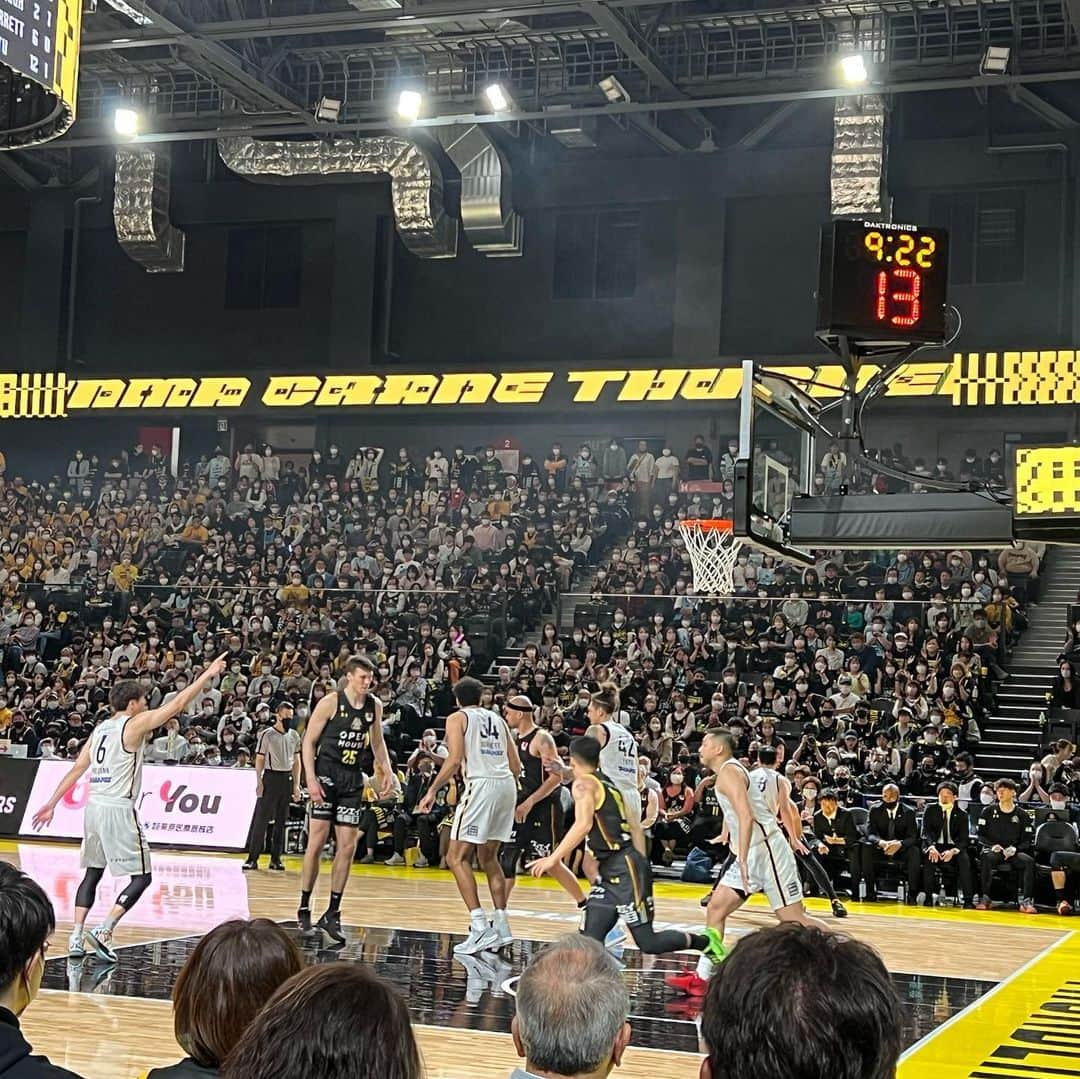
115 774
486 738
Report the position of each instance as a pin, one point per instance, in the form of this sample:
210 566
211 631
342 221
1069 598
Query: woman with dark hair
333 1021
233 971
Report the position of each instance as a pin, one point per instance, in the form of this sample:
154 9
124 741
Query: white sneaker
502 928
76 948
616 937
421 862
100 940
481 941
394 859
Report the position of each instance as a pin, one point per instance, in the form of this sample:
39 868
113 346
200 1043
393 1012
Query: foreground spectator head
233 971
27 922
572 1006
831 1014
334 1021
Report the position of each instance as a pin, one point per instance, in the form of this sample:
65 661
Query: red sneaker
688 983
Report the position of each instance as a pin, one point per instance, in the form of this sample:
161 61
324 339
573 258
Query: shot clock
883 282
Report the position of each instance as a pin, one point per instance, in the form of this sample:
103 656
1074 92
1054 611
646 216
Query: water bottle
901 892
862 890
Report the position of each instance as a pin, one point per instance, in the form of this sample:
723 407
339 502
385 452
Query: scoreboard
28 38
883 282
39 59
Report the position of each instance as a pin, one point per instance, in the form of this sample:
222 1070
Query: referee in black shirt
277 768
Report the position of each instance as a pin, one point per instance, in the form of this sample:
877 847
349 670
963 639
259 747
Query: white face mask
1057 803
987 798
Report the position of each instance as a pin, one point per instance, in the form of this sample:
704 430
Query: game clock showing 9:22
883 282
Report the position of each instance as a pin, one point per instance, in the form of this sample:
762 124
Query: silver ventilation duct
141 211
860 130
859 156
416 183
487 210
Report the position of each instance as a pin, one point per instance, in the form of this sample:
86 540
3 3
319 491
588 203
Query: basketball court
984 994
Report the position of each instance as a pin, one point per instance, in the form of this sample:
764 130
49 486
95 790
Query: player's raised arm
584 793
138 727
384 773
316 724
45 814
455 744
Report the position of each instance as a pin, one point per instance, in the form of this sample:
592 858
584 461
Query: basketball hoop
713 550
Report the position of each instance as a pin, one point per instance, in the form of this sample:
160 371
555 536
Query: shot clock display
883 282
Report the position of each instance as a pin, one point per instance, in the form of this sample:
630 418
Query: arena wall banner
16 782
1035 377
178 806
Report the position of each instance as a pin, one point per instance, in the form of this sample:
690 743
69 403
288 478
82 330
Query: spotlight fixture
853 69
995 60
409 104
126 122
328 109
614 90
498 98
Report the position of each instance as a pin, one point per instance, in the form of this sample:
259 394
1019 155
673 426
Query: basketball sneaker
421 862
687 983
303 920
716 950
394 859
100 940
76 948
478 940
501 924
1064 908
330 924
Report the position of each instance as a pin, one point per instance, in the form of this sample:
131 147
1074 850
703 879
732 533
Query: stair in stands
1013 733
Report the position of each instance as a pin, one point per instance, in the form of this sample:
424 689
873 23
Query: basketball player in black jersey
344 726
538 820
624 885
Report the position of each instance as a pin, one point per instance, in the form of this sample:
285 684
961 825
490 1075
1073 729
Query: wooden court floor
971 981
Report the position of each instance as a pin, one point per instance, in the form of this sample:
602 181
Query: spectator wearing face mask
1005 838
946 842
928 745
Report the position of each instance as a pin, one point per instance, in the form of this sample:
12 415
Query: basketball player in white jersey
764 862
480 743
618 756
112 834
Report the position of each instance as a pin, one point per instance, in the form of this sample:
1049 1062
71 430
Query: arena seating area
871 667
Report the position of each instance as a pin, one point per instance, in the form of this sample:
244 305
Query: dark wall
725 259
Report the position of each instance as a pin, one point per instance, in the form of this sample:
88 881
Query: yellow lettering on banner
522 387
290 391
348 390
96 393
461 389
158 393
651 385
407 389
592 383
712 384
229 392
918 379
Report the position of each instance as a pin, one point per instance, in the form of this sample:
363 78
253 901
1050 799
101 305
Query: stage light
409 104
853 69
126 122
328 109
498 98
614 90
995 60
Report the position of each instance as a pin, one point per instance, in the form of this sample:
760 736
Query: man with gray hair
572 1006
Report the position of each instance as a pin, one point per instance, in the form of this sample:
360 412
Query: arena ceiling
199 68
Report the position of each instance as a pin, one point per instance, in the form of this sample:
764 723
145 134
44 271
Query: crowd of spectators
866 669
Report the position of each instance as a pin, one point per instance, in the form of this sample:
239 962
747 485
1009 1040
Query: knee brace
87 892
136 886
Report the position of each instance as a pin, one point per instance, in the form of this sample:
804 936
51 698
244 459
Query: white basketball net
713 553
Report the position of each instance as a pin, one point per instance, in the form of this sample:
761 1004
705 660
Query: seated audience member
838 841
1005 836
332 1021
233 971
572 1008
892 838
946 838
27 922
838 1016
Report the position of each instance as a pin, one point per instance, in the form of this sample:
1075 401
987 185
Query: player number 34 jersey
486 739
